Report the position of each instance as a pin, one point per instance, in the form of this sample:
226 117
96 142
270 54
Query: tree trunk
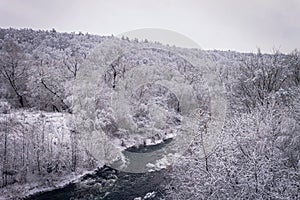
74 150
4 167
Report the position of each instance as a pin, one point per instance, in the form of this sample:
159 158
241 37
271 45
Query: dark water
110 184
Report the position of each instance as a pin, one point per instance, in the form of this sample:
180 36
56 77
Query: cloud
239 25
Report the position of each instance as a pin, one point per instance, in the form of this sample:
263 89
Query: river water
111 184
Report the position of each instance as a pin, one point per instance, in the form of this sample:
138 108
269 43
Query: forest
72 102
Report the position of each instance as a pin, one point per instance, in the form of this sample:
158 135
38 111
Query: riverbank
110 184
24 191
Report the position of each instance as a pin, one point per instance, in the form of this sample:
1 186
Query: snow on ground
27 125
16 191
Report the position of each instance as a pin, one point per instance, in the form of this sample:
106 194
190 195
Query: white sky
241 25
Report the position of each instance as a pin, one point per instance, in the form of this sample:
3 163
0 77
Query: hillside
72 102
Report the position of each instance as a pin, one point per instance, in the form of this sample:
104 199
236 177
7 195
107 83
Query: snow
141 94
160 164
149 195
34 187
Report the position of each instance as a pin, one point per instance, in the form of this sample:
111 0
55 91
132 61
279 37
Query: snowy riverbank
21 191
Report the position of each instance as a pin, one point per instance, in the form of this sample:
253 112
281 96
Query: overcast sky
241 25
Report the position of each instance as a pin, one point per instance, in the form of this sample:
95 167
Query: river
111 184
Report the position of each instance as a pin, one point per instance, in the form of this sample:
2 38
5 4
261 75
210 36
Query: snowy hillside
71 102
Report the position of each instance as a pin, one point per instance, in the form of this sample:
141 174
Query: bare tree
73 59
74 150
260 77
13 68
294 63
60 99
4 165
